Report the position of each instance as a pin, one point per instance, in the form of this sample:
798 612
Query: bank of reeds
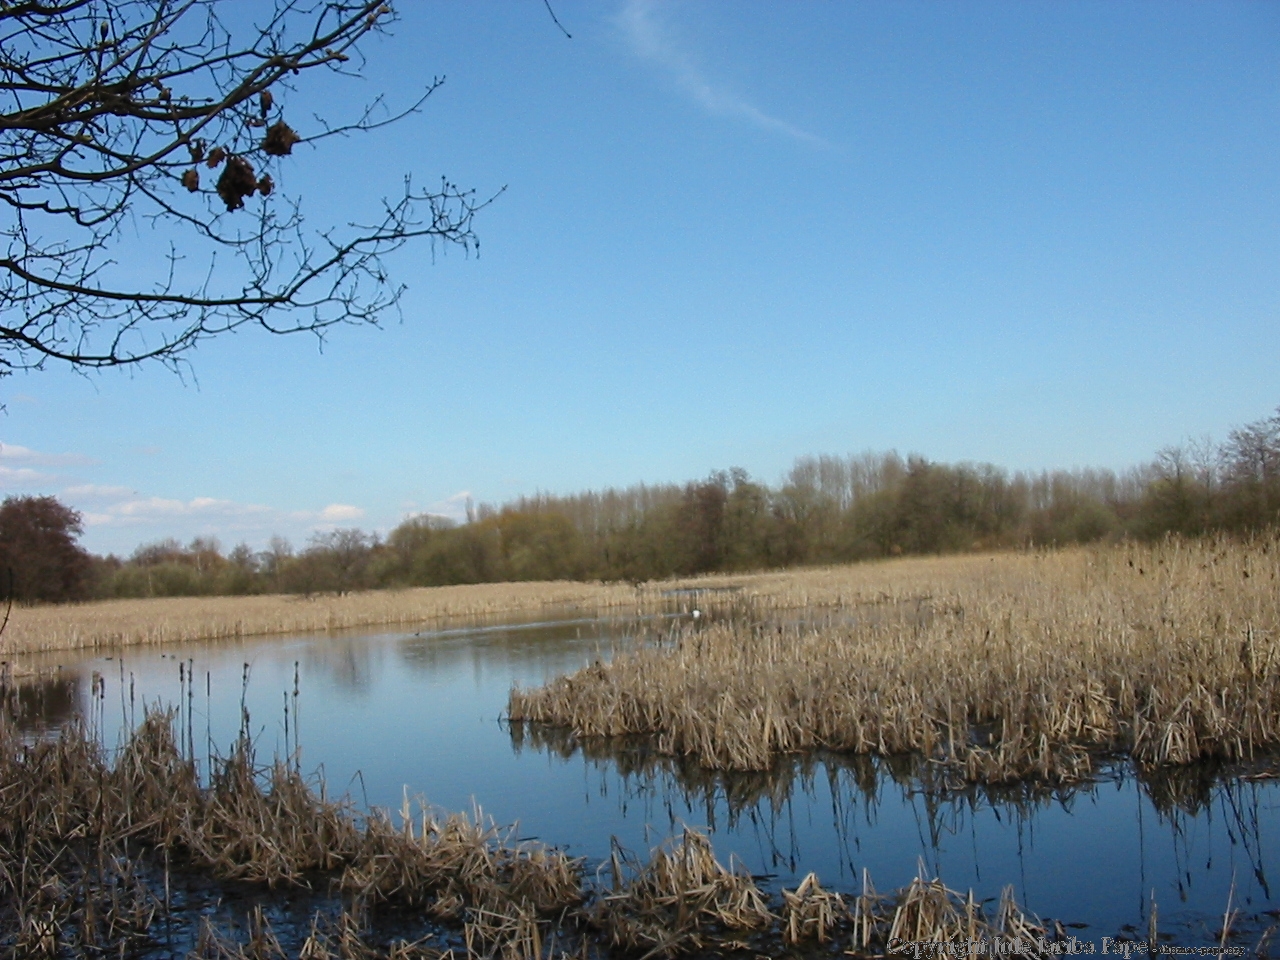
75 827
116 623
1003 667
88 846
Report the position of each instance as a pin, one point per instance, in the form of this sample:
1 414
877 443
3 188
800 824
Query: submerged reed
1004 667
77 831
83 838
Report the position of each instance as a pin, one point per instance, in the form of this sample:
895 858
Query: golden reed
115 623
1003 666
88 843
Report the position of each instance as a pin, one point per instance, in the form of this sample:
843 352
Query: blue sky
1036 234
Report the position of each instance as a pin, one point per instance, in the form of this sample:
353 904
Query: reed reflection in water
1091 852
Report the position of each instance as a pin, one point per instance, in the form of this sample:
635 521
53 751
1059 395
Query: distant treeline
827 510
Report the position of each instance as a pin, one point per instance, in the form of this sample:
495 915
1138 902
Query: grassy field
1004 667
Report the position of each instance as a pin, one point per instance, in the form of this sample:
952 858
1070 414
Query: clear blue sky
1036 234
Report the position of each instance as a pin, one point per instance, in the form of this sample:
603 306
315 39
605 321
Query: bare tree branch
155 109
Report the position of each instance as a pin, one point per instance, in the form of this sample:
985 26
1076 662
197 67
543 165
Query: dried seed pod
280 139
266 185
264 101
216 157
191 180
236 183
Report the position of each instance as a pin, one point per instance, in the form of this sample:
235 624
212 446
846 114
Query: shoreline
99 624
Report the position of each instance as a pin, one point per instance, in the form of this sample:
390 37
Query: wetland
421 720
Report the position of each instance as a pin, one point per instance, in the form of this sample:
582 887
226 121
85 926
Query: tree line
827 509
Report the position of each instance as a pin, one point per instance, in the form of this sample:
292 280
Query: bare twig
156 109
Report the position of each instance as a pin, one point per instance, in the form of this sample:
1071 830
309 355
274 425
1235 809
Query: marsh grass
118 623
88 844
79 831
1000 667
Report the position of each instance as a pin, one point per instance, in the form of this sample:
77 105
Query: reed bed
119 623
116 623
1001 667
73 878
88 846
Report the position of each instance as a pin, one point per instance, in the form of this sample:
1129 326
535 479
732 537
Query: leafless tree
171 113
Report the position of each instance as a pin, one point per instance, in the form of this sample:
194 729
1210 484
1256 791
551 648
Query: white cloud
19 466
11 477
97 491
132 509
14 453
452 508
339 512
650 40
144 510
118 518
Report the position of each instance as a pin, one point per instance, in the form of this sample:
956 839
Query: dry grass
117 623
113 623
1004 667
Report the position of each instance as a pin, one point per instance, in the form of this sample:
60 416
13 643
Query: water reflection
40 702
1194 807
385 714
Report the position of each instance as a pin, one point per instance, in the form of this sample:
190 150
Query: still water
382 715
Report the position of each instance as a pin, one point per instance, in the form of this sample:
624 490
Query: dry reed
115 623
74 825
1003 667
81 840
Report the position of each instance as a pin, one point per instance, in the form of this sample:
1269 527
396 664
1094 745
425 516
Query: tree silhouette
39 556
168 113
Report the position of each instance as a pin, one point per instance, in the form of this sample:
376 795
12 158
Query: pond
389 714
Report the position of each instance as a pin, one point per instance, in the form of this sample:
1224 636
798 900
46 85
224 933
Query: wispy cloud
340 512
23 477
12 453
22 468
120 518
117 518
97 491
452 508
650 39
137 511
